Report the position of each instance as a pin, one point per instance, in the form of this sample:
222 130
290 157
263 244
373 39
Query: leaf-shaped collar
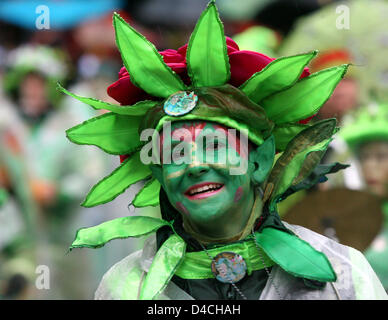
292 254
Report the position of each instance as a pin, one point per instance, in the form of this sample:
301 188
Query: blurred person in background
97 67
364 45
345 96
338 31
39 197
40 172
367 137
344 101
39 169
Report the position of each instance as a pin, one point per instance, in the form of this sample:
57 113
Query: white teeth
205 188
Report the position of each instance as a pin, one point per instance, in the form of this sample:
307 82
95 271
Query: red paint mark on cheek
181 208
238 195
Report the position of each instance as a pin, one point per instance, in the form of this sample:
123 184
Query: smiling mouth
203 190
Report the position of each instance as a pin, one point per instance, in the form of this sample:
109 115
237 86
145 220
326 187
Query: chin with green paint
213 177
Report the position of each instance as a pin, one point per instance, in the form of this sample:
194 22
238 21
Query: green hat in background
258 38
368 123
46 61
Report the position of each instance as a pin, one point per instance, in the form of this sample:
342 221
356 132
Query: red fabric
305 121
123 157
243 64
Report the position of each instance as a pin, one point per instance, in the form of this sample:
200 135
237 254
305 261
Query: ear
262 158
157 172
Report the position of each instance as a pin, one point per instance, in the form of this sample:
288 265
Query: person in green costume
367 137
200 127
40 169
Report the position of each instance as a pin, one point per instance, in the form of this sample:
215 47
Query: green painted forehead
192 131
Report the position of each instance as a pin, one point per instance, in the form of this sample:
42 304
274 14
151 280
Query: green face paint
199 181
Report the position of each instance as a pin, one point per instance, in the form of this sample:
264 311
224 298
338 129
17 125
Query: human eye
177 154
215 145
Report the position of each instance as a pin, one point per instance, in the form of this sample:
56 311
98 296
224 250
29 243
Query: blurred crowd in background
44 177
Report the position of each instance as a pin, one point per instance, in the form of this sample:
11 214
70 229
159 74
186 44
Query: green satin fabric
164 265
147 196
197 265
207 59
225 105
304 98
293 168
301 156
276 76
256 137
145 65
120 228
138 109
292 254
295 255
114 133
285 133
132 170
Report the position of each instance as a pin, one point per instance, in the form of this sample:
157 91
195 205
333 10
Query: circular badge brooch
180 103
229 267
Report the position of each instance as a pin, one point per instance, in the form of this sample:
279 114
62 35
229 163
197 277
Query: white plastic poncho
356 280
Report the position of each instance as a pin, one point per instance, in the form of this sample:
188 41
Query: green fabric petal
318 175
165 263
285 133
292 174
144 64
138 109
304 98
113 133
299 159
132 170
277 75
148 195
295 255
207 58
134 226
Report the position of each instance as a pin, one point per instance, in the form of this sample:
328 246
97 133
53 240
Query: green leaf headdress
271 104
368 123
272 101
48 62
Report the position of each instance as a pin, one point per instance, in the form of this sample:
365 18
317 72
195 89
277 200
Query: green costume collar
196 265
286 250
